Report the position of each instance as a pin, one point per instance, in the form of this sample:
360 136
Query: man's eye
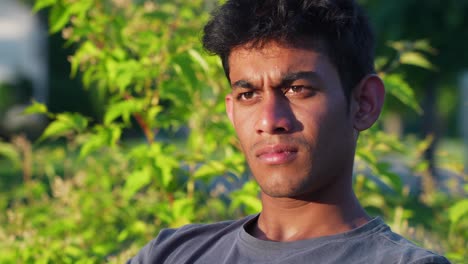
294 89
245 96
300 91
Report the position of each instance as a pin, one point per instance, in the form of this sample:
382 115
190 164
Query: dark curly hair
337 27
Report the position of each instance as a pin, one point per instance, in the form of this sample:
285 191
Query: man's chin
282 191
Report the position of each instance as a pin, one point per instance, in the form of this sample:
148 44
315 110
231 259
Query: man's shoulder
387 243
189 238
226 242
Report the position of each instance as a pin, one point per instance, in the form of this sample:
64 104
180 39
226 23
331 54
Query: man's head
338 28
288 63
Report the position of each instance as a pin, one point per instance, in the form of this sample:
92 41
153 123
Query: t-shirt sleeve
434 259
144 255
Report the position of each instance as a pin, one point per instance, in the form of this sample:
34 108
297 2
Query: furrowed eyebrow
286 80
242 84
294 76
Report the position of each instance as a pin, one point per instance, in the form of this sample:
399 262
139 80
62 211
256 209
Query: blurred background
116 88
34 65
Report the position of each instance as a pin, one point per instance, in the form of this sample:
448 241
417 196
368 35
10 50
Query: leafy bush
89 196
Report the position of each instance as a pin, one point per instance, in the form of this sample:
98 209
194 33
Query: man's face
290 114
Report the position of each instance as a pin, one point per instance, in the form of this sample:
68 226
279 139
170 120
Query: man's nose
275 115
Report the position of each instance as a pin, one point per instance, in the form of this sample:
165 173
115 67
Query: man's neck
289 219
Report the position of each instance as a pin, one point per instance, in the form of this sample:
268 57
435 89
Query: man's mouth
276 154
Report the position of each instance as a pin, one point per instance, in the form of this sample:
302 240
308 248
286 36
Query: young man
303 87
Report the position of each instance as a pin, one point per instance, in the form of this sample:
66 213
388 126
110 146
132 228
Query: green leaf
40 4
123 109
72 250
399 45
104 137
151 115
124 79
209 170
380 62
163 212
373 199
64 124
93 143
390 141
247 197
56 128
136 228
123 235
199 59
183 209
9 151
416 59
85 52
421 166
137 180
424 144
424 45
166 164
366 156
78 8
59 17
390 178
396 86
458 210
119 54
115 133
36 108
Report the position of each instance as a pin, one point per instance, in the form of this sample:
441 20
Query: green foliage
412 53
64 124
8 151
458 210
147 58
247 197
396 86
458 215
90 196
409 53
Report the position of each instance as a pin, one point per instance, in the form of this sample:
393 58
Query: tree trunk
464 114
431 123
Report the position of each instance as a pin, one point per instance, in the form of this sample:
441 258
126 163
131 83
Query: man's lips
276 154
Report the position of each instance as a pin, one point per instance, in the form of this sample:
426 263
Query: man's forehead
301 43
277 58
272 60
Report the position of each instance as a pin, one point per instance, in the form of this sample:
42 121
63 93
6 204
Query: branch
149 135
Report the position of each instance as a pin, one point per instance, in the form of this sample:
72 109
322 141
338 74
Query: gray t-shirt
228 242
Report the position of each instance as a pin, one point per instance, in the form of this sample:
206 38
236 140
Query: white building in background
23 55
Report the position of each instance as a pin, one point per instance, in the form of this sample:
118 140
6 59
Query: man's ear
368 98
229 107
